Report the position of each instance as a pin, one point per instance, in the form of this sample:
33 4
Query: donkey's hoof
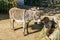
35 22
27 32
13 29
24 34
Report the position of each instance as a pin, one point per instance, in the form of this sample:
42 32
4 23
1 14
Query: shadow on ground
4 16
36 27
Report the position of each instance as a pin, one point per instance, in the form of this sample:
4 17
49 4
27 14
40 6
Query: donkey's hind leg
24 27
12 24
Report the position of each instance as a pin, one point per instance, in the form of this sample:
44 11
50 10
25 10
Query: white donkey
24 16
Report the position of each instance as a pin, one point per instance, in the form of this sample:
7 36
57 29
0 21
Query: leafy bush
36 2
4 5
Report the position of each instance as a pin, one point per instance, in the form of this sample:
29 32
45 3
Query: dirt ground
7 33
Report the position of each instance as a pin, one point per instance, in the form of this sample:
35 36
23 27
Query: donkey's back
16 13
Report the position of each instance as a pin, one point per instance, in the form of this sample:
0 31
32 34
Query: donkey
24 16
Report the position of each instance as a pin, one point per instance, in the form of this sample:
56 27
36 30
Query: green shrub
7 5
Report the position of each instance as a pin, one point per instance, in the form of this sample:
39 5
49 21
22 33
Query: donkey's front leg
25 28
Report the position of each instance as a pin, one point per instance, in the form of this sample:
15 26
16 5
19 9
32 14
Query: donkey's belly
20 18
